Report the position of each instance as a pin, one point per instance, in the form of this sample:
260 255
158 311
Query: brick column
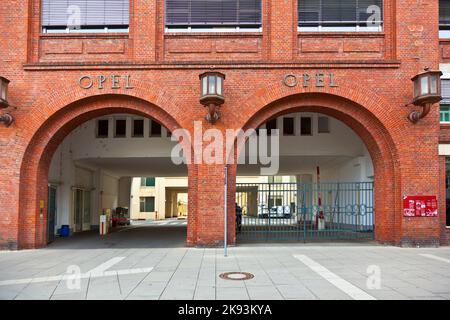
9 194
442 200
144 30
282 35
9 223
206 205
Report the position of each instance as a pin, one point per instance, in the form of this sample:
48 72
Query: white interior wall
124 192
109 193
112 147
340 141
357 169
66 175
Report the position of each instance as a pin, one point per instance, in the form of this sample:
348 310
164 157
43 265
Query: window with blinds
445 91
204 14
444 18
85 15
340 15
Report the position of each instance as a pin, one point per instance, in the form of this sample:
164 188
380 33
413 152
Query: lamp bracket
415 116
213 113
7 119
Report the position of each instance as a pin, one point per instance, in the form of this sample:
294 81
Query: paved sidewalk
127 265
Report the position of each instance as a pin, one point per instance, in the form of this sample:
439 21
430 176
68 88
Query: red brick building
147 60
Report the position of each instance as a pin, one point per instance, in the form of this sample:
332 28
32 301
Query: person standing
238 218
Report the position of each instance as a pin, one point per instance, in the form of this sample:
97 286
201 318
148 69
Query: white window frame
212 29
87 30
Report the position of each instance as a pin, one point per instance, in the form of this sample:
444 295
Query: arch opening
336 177
110 155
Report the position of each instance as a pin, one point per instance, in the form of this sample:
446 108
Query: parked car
274 212
263 211
120 217
280 212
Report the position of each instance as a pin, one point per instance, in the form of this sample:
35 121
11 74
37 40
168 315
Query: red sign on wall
420 206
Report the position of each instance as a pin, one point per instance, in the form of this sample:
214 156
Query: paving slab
179 272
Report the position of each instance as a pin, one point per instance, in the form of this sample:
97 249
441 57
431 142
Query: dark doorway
51 214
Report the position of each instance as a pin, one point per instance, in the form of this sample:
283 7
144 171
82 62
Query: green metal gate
306 211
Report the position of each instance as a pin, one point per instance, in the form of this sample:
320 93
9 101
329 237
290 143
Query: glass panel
340 15
56 14
305 126
211 85
150 204
445 114
444 14
219 85
155 129
213 13
138 128
416 88
271 125
121 128
433 88
150 182
288 126
3 91
102 128
205 86
424 85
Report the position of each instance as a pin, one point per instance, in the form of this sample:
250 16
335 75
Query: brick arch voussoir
363 96
46 106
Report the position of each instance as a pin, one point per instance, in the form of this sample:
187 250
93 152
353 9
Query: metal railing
293 211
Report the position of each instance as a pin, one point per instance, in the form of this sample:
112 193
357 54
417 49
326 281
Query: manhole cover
240 276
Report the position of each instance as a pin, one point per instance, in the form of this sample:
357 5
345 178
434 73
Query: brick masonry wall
372 72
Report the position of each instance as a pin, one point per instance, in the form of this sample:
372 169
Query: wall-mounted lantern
4 92
6 119
211 88
427 91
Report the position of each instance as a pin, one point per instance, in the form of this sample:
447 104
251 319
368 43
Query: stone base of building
408 242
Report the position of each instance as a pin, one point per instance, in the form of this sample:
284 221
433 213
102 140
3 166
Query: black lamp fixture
211 88
6 119
427 91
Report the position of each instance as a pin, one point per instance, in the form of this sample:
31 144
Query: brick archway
364 120
46 139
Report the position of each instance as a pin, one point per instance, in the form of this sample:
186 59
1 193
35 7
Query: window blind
335 12
63 13
444 13
213 12
445 88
